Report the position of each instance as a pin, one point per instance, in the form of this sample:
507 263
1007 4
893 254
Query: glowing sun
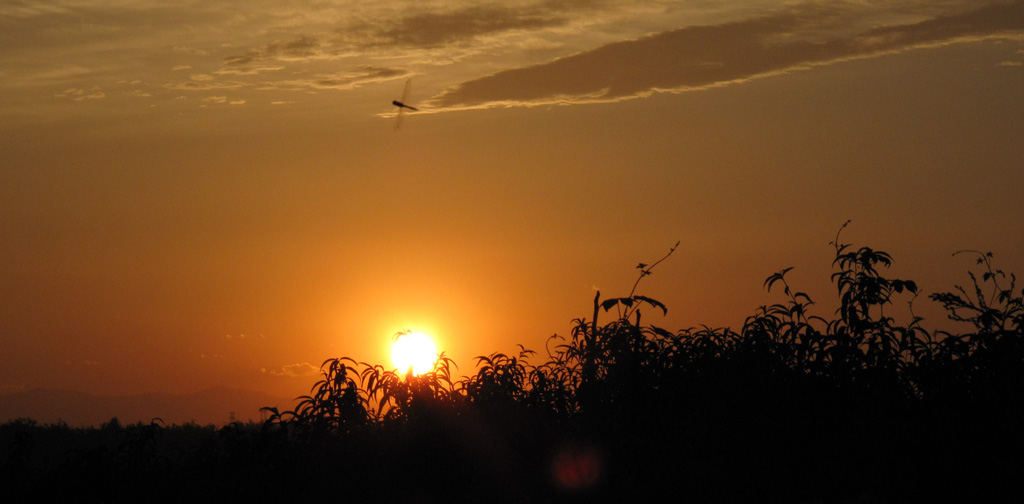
413 351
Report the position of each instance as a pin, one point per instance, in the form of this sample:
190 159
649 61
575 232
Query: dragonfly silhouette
401 104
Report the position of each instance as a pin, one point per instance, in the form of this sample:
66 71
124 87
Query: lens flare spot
576 468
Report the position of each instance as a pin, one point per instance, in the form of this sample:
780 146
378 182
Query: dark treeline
793 407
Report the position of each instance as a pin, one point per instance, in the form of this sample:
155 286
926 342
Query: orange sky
193 195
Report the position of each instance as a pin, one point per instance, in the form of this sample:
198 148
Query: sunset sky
212 193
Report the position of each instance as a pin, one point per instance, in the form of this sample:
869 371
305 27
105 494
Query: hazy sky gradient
202 193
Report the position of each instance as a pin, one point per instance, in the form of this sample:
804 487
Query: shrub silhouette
793 406
763 401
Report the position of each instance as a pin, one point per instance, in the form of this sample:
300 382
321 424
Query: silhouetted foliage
793 407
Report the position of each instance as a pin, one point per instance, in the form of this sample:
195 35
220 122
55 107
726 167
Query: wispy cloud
65 49
444 31
255 61
22 9
79 94
425 32
190 50
340 80
707 56
432 28
198 85
297 370
223 100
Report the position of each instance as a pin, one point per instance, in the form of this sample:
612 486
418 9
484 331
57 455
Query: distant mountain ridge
211 406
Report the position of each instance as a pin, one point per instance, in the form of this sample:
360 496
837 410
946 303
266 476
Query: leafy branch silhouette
793 406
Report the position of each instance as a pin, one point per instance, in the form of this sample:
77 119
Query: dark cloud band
705 56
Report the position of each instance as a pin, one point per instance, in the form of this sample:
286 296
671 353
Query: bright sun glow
413 350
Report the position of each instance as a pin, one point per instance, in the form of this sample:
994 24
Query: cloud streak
432 29
297 370
701 57
435 33
78 94
338 81
75 52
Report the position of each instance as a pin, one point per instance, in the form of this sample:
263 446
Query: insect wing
405 93
401 104
398 119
